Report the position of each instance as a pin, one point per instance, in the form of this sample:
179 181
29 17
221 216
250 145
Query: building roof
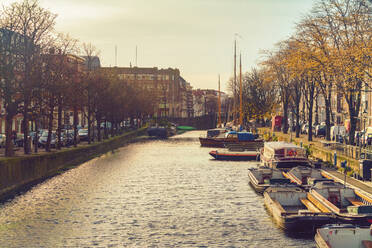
94 63
141 70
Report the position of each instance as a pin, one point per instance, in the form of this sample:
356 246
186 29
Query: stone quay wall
16 173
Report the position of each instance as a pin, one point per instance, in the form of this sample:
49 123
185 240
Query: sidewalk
363 186
318 145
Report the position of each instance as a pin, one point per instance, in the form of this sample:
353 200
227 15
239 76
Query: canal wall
19 172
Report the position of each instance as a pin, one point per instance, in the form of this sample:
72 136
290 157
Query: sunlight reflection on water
166 193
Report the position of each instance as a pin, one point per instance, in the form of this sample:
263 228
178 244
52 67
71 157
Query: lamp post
364 133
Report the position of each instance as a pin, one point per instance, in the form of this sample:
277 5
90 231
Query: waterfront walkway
365 186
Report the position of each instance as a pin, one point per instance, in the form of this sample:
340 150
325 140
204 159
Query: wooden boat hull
222 142
298 223
324 205
343 236
235 156
259 188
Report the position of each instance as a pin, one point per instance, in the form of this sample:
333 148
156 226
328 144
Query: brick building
168 86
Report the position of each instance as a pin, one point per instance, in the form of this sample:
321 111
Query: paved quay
362 185
365 186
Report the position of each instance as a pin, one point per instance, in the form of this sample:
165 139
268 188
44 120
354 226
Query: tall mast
241 94
219 101
234 110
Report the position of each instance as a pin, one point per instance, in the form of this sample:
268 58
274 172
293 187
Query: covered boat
293 212
232 137
235 155
343 236
350 206
305 176
158 131
261 178
283 155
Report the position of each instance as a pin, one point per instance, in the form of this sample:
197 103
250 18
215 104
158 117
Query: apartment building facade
170 89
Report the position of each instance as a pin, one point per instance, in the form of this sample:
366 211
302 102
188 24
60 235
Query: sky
195 36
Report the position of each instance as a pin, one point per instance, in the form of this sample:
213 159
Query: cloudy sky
195 36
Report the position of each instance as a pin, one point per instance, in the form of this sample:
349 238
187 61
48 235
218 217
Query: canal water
166 193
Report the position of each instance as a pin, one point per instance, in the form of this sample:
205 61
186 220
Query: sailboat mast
219 101
241 94
234 110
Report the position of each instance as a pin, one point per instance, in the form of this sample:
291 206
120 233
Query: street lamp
364 133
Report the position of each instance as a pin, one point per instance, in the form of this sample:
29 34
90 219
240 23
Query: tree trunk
9 151
354 108
75 125
89 122
105 132
328 119
26 145
59 128
50 123
298 120
36 138
285 117
316 110
98 118
310 112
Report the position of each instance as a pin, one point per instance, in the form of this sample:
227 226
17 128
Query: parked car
320 130
70 137
83 134
337 133
304 128
44 137
19 140
2 140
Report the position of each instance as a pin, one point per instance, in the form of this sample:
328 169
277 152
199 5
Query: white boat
261 178
283 155
305 176
343 236
350 206
293 212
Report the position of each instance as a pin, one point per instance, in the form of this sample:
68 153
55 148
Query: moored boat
305 176
293 212
343 236
236 155
283 155
158 131
222 139
262 178
349 205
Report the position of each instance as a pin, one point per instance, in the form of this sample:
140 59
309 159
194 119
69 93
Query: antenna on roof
116 55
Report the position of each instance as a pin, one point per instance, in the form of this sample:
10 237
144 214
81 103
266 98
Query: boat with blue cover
223 139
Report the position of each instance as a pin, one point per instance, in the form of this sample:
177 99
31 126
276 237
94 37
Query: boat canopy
246 136
215 132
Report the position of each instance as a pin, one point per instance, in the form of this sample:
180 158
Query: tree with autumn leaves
40 79
329 55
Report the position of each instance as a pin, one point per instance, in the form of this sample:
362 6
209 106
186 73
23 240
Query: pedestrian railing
355 152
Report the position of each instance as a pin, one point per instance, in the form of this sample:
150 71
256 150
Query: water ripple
152 194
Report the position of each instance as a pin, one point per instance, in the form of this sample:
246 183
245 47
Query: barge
293 212
246 139
262 178
305 176
343 236
349 205
283 156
